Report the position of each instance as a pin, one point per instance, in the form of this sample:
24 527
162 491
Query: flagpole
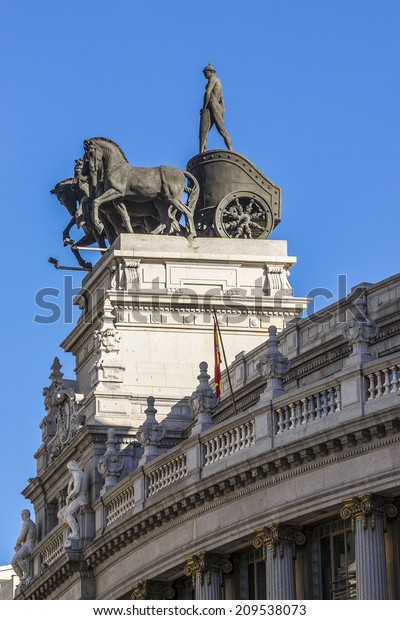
225 362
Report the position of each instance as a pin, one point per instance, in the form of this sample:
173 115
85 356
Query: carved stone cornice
152 590
204 564
278 536
366 508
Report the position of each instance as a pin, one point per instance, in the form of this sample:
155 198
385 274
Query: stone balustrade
383 381
54 547
120 505
307 408
166 474
230 441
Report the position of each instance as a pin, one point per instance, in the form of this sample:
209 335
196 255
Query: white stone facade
253 503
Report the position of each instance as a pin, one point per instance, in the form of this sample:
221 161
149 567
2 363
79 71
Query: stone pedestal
147 318
279 545
368 515
206 571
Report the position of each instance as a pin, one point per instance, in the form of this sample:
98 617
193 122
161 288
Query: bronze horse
69 194
162 187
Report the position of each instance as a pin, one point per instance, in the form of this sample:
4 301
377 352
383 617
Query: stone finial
56 374
360 331
111 463
203 401
273 366
150 433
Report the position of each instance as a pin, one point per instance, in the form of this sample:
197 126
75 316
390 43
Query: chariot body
236 200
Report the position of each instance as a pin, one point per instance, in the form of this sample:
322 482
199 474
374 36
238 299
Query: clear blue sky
312 92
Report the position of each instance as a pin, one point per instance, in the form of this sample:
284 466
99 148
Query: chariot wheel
243 215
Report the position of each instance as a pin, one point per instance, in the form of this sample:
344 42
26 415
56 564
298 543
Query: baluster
331 400
371 386
379 384
287 417
218 448
319 403
394 382
338 398
292 420
215 443
207 451
297 412
242 436
236 440
386 385
252 433
280 421
325 405
305 410
311 408
228 443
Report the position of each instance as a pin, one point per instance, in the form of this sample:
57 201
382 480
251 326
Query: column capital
151 590
203 564
278 536
367 507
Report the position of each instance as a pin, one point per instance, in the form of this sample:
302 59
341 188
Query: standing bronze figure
213 110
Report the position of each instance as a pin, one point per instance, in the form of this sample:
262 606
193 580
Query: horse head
65 191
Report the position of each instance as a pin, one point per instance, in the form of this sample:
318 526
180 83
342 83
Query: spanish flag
217 362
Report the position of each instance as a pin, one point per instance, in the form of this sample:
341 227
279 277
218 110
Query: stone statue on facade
23 548
360 330
273 365
213 110
111 464
76 497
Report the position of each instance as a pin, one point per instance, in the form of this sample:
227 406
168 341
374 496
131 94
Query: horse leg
109 195
85 241
122 210
175 202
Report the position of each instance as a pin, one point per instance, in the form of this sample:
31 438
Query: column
368 514
279 543
206 571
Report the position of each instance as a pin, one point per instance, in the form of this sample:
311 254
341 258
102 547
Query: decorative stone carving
63 419
111 464
366 508
277 280
277 536
76 497
360 331
26 541
273 366
152 590
203 401
107 367
125 274
150 433
206 571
